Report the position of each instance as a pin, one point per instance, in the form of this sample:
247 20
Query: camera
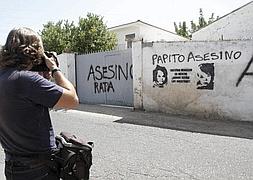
41 63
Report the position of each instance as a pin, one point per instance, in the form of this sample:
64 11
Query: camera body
42 65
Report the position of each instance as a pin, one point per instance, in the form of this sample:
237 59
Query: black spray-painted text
105 73
110 72
191 57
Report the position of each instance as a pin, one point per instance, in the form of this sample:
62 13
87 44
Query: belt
14 156
32 160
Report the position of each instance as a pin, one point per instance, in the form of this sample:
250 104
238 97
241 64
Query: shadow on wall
237 129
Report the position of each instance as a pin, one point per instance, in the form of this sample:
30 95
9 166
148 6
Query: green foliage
184 31
202 21
90 35
181 29
58 36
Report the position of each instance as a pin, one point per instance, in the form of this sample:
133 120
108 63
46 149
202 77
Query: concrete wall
67 66
195 78
209 79
137 75
100 78
105 78
236 25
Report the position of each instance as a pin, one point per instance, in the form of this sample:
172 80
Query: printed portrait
205 76
160 76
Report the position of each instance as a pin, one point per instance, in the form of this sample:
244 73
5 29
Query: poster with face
160 76
205 76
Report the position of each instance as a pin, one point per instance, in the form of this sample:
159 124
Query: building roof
138 22
222 17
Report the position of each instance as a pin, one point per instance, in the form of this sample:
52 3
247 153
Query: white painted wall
137 74
224 101
144 32
122 32
236 25
150 33
67 66
105 78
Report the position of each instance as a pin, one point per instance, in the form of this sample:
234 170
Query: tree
90 35
202 21
185 32
58 37
181 29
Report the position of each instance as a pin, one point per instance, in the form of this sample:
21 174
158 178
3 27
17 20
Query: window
129 39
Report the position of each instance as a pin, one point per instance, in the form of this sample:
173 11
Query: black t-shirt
25 124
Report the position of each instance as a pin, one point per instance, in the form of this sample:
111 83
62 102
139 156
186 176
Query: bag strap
71 138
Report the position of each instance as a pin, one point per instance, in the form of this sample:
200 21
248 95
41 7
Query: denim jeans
24 168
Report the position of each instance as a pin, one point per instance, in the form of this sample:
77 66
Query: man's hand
51 62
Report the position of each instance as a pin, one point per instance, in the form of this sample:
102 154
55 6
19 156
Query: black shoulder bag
74 157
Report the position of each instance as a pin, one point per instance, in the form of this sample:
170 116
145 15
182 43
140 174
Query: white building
237 24
139 30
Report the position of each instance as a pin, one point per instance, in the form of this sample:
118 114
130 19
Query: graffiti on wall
102 76
180 75
245 72
204 72
160 76
205 76
191 57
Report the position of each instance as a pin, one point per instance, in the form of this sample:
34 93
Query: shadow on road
237 129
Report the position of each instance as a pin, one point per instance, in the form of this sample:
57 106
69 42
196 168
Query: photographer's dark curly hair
22 49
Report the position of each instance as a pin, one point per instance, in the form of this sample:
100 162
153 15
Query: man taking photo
26 131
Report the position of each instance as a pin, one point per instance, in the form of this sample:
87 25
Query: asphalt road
136 145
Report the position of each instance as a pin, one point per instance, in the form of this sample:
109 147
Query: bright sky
161 13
